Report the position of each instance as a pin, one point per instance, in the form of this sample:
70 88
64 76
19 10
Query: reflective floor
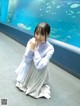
65 88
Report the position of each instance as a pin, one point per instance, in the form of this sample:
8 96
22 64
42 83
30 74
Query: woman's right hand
33 44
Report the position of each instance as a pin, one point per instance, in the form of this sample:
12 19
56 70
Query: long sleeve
41 63
28 56
24 66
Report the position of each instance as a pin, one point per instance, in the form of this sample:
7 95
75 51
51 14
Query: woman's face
40 38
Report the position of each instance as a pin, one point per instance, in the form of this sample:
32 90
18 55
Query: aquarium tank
0 10
62 15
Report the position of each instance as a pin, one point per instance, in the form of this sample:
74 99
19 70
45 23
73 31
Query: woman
32 73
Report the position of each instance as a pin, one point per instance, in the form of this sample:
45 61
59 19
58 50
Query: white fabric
32 73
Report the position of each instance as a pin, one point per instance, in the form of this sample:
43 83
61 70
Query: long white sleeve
24 66
28 56
39 62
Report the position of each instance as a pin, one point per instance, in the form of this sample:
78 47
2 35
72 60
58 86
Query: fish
58 6
21 25
75 5
48 7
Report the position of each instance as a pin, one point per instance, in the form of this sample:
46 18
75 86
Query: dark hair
43 29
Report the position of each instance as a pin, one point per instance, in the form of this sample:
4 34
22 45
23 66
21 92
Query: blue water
62 15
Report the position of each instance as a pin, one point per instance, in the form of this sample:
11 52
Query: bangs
40 30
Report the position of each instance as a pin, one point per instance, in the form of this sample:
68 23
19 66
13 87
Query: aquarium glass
0 10
62 15
4 10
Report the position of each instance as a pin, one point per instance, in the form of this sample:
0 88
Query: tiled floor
65 88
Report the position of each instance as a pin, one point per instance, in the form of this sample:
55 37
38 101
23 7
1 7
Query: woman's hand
33 44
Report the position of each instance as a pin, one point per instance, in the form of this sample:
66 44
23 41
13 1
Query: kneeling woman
32 73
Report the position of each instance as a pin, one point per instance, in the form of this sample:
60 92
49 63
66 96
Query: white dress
32 72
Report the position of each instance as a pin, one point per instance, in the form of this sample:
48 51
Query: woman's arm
31 46
28 55
39 62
